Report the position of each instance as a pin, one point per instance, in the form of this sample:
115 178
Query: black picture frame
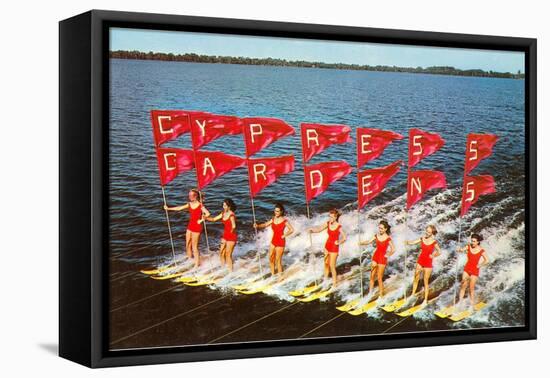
83 195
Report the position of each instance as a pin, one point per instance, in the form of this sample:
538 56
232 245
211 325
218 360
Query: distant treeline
195 58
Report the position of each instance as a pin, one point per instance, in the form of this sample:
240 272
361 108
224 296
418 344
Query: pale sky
314 50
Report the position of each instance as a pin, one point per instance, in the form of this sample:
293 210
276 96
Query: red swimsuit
227 227
195 217
278 230
471 266
426 250
379 255
333 237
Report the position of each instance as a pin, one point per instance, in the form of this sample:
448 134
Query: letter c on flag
162 129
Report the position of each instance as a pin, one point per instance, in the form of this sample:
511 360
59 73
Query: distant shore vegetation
196 58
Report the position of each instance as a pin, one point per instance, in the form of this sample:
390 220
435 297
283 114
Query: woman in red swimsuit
424 264
379 257
471 269
229 238
197 213
336 237
282 229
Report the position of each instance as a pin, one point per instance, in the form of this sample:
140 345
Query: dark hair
336 213
199 194
229 202
280 206
385 223
434 230
478 237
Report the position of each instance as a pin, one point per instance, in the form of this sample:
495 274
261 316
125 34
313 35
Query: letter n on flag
172 162
419 182
475 186
169 124
208 127
265 171
422 144
371 143
319 176
478 147
317 138
261 132
371 182
211 165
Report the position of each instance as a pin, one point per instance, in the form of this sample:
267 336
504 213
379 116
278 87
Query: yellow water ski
350 305
464 314
304 291
315 296
208 281
168 276
158 270
256 290
411 310
366 307
414 309
187 279
445 312
392 307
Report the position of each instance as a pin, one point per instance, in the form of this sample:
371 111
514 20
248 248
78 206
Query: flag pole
168 223
308 213
258 253
457 257
359 220
199 188
405 270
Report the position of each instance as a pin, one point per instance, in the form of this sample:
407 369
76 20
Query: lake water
450 106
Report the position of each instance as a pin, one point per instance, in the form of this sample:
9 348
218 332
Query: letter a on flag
422 144
265 171
371 143
318 177
211 165
475 186
420 182
261 132
371 182
169 124
172 162
317 138
478 147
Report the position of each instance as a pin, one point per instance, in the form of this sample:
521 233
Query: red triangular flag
422 144
211 165
419 182
371 143
207 127
475 186
318 177
261 132
172 162
265 171
169 124
316 137
371 182
478 147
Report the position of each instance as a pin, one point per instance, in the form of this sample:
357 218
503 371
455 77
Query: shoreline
272 62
